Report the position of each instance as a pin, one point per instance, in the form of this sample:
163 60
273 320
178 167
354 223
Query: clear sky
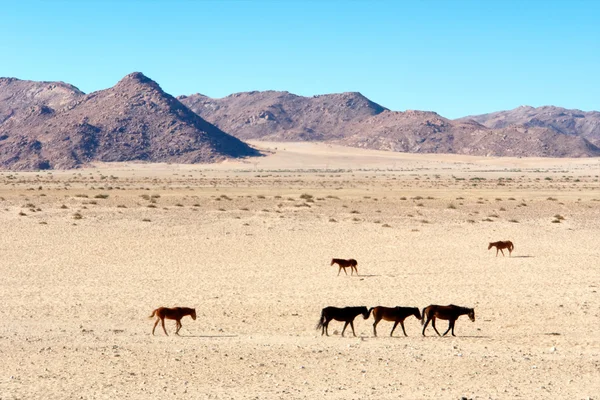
453 57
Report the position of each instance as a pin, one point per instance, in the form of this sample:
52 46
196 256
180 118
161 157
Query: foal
502 245
450 313
172 313
396 314
346 314
345 264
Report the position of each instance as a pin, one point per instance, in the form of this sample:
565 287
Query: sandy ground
86 255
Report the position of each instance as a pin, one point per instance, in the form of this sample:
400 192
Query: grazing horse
396 314
345 264
502 245
346 314
172 313
450 313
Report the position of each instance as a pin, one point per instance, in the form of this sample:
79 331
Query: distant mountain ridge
353 120
54 125
45 125
569 122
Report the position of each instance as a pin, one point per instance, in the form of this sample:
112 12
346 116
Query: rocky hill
561 120
54 125
352 119
282 116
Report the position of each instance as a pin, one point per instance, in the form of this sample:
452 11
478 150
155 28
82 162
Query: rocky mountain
352 119
54 125
561 120
282 116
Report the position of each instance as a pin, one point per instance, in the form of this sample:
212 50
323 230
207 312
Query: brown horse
172 313
507 244
450 313
346 314
345 264
396 314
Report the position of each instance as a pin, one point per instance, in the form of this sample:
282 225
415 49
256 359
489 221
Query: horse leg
375 327
434 328
497 251
502 251
163 325
339 270
178 327
352 326
453 328
450 326
346 272
425 325
402 325
345 325
393 328
155 323
325 327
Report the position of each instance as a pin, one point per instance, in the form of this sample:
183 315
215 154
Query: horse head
365 312
193 314
417 313
332 261
490 246
472 314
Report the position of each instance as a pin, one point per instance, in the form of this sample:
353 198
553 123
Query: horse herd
394 314
348 314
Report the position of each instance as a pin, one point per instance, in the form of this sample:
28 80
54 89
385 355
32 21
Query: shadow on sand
208 336
522 256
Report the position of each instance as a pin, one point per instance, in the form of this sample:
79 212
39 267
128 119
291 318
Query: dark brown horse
450 313
396 314
172 313
507 244
351 263
346 314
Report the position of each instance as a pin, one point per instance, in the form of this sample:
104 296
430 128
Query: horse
346 314
502 245
345 264
450 313
396 314
172 313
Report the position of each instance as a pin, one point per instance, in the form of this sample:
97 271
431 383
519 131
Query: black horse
346 314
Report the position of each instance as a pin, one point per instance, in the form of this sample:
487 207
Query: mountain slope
281 116
353 120
562 120
134 120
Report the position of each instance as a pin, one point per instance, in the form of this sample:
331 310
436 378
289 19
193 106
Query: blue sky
453 57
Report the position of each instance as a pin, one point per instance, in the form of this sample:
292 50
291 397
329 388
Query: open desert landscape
87 254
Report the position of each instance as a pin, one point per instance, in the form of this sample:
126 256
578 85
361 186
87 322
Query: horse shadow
208 336
523 256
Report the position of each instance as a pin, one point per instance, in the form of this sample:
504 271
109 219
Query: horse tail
321 320
512 246
369 314
423 316
153 313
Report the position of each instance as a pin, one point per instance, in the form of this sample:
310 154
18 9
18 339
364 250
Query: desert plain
87 254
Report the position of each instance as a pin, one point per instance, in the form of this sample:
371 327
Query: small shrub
386 226
332 220
77 216
514 221
101 196
451 206
306 196
146 220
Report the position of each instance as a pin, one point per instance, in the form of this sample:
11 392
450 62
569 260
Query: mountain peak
137 79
